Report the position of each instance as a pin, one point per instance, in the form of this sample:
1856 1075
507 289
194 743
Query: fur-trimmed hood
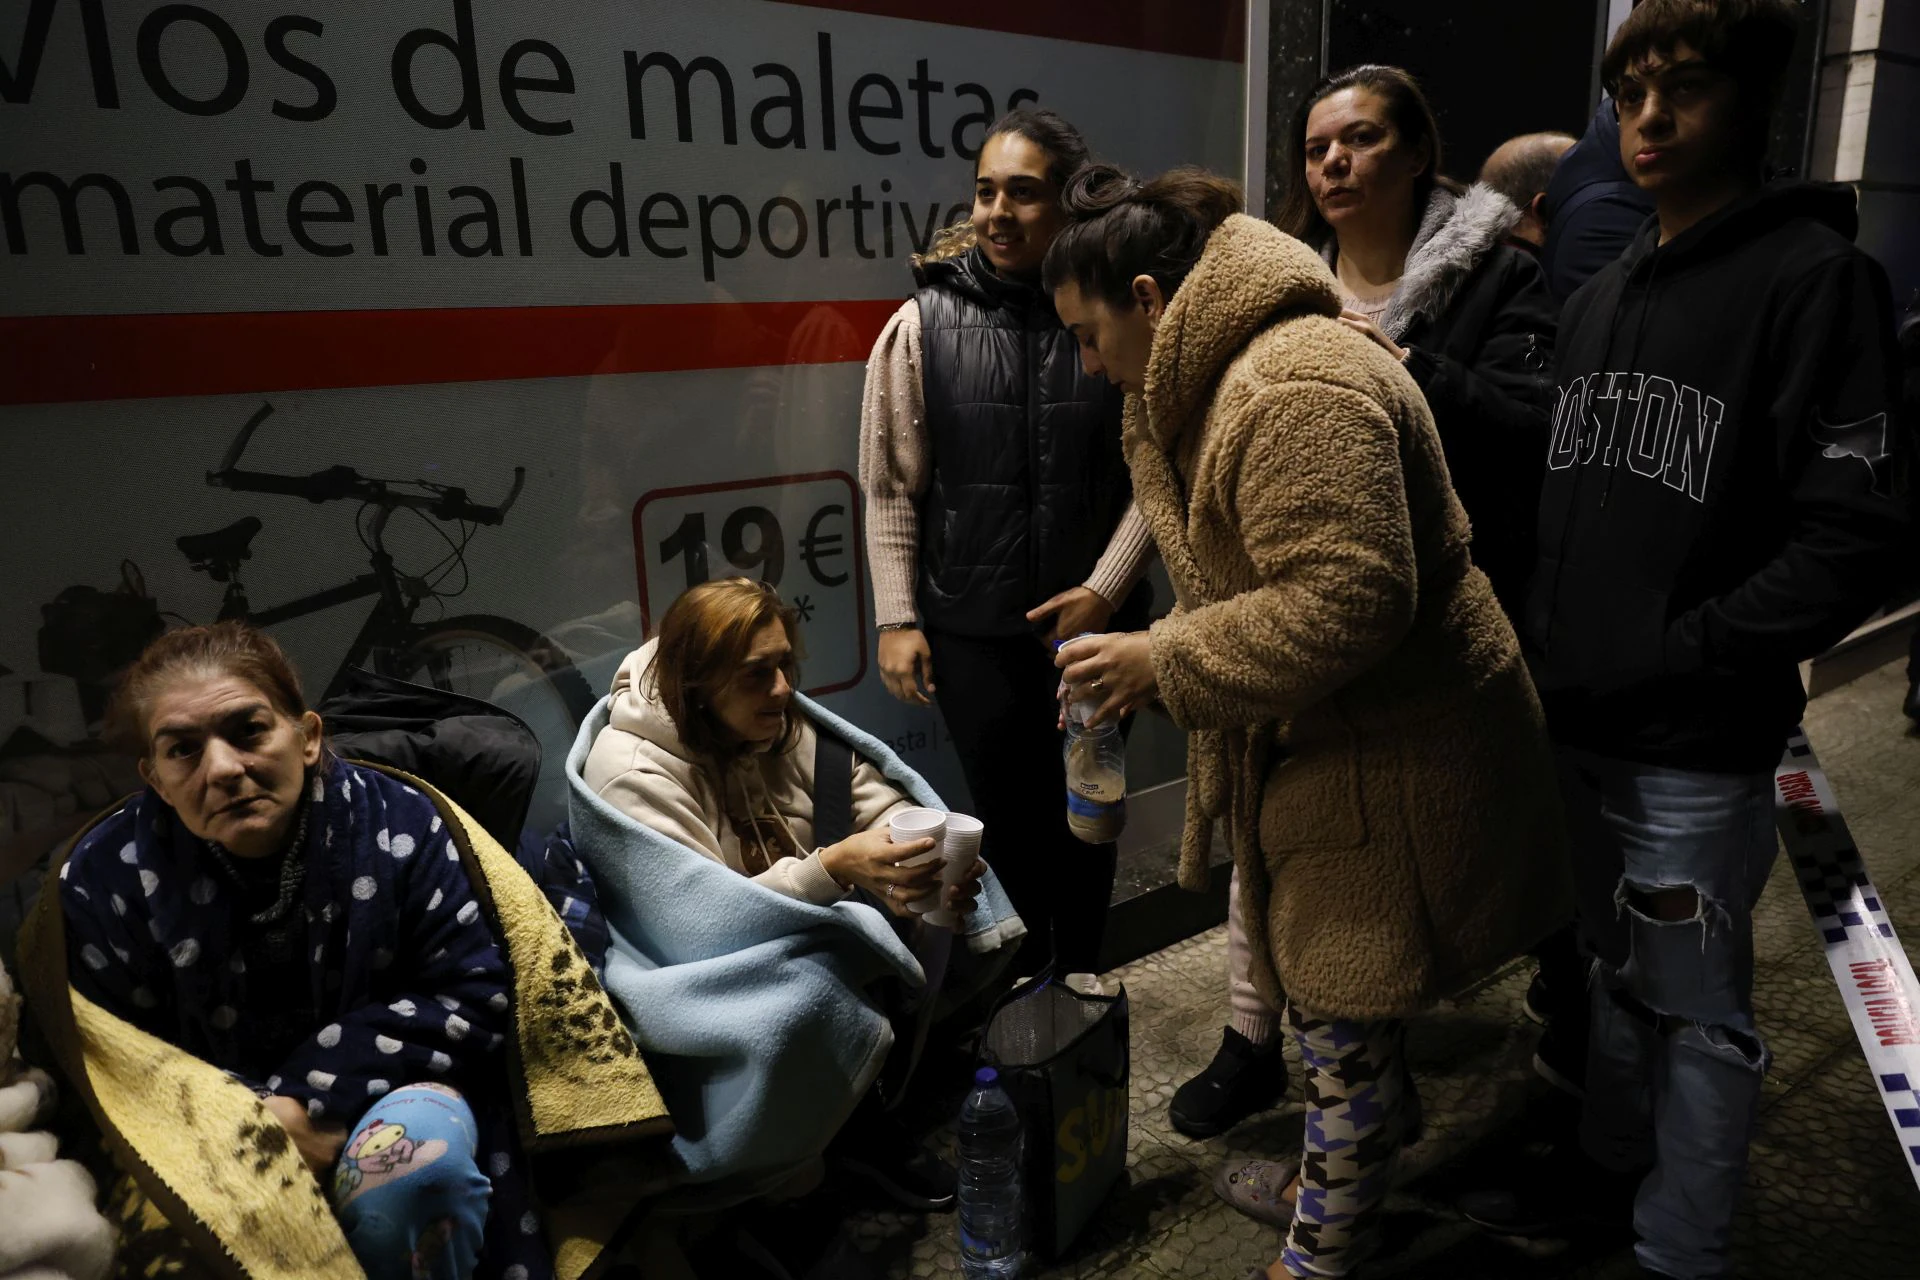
1456 234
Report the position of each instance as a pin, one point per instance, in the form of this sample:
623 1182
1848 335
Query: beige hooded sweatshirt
639 765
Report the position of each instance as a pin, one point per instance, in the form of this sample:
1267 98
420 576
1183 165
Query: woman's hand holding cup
872 861
960 895
960 858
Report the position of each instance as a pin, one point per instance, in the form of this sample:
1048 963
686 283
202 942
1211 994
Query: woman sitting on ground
705 746
307 925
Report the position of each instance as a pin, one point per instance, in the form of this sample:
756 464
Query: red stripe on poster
1192 28
62 359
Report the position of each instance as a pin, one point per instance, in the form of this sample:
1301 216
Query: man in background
1591 207
1520 169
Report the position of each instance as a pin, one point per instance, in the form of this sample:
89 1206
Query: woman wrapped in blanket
703 747
306 925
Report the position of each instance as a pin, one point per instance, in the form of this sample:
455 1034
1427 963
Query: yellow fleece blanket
209 1157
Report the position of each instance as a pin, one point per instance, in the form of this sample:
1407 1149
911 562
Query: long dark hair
1121 228
1048 130
1413 123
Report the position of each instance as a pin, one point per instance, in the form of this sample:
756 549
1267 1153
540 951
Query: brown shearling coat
1358 710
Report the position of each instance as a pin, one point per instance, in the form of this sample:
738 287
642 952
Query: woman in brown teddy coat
1359 715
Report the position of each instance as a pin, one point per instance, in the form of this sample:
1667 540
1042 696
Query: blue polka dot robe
402 968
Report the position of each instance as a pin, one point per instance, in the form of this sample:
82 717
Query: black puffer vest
1028 477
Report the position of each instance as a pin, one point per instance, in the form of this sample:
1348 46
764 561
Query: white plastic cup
909 825
912 824
961 849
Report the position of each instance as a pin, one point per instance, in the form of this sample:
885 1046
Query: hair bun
1095 188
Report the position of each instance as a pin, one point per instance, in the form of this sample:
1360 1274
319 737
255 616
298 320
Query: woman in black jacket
1426 273
999 520
1423 271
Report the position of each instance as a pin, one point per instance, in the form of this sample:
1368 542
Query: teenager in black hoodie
1725 497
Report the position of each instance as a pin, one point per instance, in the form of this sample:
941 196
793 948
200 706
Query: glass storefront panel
456 339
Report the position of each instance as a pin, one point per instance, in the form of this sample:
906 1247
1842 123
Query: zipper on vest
1036 587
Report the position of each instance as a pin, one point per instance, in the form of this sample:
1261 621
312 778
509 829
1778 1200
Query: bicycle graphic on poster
476 654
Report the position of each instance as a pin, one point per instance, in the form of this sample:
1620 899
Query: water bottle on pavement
1096 772
990 1201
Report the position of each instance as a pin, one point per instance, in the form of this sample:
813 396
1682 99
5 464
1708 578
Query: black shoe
1242 1079
1561 1058
842 1260
1912 705
1553 1194
877 1150
1535 1003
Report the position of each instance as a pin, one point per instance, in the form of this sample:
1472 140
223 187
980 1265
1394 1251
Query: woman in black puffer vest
999 519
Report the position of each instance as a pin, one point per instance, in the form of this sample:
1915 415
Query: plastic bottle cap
986 1076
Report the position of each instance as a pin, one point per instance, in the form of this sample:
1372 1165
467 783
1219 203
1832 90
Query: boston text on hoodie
1726 483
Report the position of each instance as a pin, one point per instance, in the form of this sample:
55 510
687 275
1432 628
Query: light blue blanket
750 1006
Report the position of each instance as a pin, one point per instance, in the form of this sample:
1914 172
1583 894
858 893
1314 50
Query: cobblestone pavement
1829 1193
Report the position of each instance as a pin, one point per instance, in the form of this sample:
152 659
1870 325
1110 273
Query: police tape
1863 951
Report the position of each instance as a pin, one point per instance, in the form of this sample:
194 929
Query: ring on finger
890 890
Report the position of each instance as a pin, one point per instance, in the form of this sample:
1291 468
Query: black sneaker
1561 1058
841 1260
1242 1079
1553 1194
878 1151
1912 704
1535 1003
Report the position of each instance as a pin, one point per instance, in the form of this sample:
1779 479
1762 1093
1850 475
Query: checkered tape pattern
1903 1103
1835 883
1853 923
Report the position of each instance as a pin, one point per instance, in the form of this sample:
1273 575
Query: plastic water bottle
990 1201
1096 773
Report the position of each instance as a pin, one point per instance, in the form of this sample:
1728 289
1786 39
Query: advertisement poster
460 336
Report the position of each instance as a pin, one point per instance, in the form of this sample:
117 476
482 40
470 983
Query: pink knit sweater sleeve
1121 563
894 469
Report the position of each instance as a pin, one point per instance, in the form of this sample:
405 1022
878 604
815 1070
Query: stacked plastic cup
957 848
961 849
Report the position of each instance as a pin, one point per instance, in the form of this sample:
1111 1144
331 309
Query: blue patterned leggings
407 1192
1361 1108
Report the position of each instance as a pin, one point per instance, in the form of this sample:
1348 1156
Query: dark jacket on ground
1475 315
1592 208
1028 478
482 756
1726 489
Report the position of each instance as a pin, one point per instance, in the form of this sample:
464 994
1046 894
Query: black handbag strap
910 1013
832 790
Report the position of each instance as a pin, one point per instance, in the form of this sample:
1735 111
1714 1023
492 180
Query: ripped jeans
1668 864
